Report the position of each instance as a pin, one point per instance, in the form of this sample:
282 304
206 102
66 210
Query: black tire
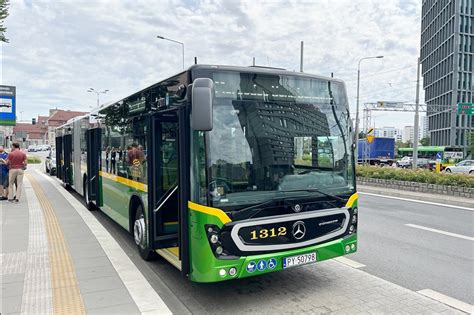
85 192
471 173
448 170
139 235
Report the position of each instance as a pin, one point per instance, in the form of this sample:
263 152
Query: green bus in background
226 172
449 155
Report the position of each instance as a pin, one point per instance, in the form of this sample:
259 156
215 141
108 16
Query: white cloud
58 49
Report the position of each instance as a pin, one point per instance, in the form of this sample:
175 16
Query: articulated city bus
448 155
226 172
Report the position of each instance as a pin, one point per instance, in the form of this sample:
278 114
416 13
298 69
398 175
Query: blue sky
58 49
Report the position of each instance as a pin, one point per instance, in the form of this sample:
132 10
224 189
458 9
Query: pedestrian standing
17 164
113 156
3 174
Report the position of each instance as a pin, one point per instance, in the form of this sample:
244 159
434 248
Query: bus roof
251 69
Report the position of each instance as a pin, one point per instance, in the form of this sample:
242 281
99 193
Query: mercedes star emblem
297 208
299 230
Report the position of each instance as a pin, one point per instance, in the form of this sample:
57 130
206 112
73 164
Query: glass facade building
447 48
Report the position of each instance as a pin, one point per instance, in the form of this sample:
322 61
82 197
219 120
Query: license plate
299 260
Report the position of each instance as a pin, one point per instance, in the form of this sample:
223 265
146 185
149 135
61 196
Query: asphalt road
417 258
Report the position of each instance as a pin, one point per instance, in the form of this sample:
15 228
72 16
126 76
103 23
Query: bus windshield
277 135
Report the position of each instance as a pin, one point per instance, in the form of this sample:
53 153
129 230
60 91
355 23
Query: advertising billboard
7 105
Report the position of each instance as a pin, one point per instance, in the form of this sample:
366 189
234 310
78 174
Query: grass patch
419 175
32 159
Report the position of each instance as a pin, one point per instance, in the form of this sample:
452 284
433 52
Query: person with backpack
3 174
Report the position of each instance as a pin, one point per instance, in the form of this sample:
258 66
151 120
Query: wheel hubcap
139 231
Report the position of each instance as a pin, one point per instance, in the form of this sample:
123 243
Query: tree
425 141
471 143
3 15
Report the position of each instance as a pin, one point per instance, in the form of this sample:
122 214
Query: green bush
420 176
33 159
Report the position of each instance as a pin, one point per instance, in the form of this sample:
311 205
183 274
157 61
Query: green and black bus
448 156
226 172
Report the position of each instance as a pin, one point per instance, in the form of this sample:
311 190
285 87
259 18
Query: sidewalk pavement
57 258
55 261
443 199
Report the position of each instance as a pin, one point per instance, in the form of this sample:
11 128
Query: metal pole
301 56
357 113
417 117
174 41
356 136
183 53
253 61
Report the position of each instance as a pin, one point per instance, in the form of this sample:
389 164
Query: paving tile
101 284
87 262
129 308
106 298
12 289
11 304
16 277
95 272
86 253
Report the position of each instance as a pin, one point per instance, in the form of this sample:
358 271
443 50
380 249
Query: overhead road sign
385 104
7 105
465 108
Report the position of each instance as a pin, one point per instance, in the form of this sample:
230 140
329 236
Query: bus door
67 168
93 139
163 184
59 157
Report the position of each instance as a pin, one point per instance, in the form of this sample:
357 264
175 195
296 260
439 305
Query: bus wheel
139 234
448 170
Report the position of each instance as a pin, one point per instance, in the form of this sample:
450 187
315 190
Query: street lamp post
92 90
174 41
357 107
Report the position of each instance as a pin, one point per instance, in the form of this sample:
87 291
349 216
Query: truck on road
381 151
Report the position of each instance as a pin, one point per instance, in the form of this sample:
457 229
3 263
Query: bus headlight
354 219
232 271
214 238
351 229
222 272
347 248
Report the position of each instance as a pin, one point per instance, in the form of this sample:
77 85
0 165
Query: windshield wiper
316 190
255 209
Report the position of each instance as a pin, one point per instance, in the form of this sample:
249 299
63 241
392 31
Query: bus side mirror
202 96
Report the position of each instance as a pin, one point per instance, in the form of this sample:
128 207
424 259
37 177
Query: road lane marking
460 305
349 262
142 293
440 232
419 201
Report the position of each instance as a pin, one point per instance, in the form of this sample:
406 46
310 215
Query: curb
462 202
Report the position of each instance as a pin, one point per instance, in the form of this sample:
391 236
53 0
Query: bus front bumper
224 269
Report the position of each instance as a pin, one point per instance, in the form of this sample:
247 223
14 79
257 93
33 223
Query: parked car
465 167
50 163
420 163
404 162
32 148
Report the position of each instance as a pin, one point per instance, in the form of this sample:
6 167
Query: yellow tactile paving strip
67 297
